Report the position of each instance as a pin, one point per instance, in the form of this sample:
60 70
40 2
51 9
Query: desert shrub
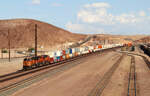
30 49
4 51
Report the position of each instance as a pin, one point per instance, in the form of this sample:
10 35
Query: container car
58 56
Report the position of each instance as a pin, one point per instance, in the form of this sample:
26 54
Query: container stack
73 52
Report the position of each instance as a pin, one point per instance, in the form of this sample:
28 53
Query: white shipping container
81 49
91 48
51 54
73 50
79 53
77 49
83 52
70 55
58 53
86 48
103 47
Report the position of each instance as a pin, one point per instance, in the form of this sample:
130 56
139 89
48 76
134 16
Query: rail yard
75 48
113 71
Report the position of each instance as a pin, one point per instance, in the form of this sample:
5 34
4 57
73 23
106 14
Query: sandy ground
81 79
78 81
119 82
12 66
143 77
12 55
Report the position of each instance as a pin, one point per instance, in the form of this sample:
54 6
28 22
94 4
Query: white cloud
142 13
95 18
36 2
56 4
126 19
97 5
82 28
100 15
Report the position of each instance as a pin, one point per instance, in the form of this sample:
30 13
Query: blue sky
127 17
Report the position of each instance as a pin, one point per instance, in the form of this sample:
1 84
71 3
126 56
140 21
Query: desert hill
22 34
144 40
107 38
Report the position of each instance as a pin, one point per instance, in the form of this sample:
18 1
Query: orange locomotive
33 62
129 44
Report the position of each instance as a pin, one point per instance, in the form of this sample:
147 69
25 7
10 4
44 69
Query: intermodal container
51 54
63 52
86 48
64 57
58 58
67 56
58 53
77 49
55 59
61 58
67 51
73 50
70 51
99 46
76 53
51 60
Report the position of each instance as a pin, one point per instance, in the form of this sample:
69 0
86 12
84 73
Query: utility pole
9 43
35 40
104 41
2 53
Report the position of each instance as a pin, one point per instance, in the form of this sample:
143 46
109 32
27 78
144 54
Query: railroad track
146 61
20 73
98 89
10 89
13 87
23 72
144 58
132 79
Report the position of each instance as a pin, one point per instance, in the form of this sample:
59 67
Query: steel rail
20 73
132 79
10 89
100 86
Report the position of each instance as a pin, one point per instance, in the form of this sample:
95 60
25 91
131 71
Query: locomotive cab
27 62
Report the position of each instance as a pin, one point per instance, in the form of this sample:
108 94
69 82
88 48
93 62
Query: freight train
58 56
128 47
146 49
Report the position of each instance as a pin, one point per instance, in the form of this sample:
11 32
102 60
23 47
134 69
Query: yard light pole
35 40
9 43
